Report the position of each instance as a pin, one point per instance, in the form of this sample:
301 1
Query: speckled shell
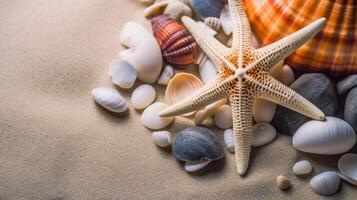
177 45
333 50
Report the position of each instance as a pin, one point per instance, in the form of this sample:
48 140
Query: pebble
223 117
350 114
283 182
346 84
302 168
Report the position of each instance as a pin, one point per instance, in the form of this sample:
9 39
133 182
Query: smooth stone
346 84
326 183
143 96
196 144
283 182
350 114
316 88
208 8
264 110
262 134
302 168
151 119
223 117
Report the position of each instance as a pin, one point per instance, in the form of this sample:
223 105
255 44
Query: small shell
110 99
347 165
177 45
263 110
143 96
285 75
155 9
208 71
226 21
151 119
262 134
229 140
123 73
208 111
176 9
326 183
302 168
283 182
192 166
162 138
166 75
213 22
223 117
207 8
330 137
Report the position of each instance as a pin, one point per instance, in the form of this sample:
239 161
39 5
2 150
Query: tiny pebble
283 182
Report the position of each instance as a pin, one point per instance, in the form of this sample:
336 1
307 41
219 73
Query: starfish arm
268 88
208 94
215 50
269 55
242 104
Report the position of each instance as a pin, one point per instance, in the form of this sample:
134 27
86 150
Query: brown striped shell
177 45
333 51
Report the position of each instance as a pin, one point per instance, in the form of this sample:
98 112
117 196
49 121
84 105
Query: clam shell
330 137
151 119
263 110
336 43
109 99
347 165
302 168
262 134
229 140
166 75
326 183
207 8
192 166
123 73
213 22
162 138
143 96
223 117
177 45
208 71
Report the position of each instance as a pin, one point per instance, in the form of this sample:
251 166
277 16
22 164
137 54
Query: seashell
144 52
207 8
330 137
223 117
147 1
262 134
162 138
109 99
347 165
151 119
177 45
346 84
208 72
143 96
229 140
283 182
208 111
123 73
155 9
176 9
326 183
197 144
226 21
336 43
166 75
263 110
302 168
192 166
213 22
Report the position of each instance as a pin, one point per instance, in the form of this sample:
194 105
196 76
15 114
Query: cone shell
332 51
177 45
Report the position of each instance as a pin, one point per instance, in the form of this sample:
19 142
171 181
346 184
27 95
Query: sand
55 143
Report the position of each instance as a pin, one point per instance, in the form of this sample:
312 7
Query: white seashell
162 138
223 117
263 110
347 165
176 9
302 168
166 75
326 183
143 96
226 21
123 73
155 9
262 134
109 99
151 119
144 52
208 71
229 140
192 166
330 137
213 22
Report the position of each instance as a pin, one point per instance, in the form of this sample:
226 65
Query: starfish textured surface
243 76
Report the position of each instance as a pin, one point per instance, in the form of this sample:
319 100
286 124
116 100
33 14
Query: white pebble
302 168
223 117
262 134
143 96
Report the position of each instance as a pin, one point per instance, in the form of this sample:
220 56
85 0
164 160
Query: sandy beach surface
56 143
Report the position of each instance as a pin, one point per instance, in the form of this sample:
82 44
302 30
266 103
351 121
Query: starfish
243 76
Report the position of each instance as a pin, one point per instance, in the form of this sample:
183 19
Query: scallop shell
162 138
332 51
223 117
109 99
229 140
143 96
262 134
151 119
177 45
192 166
166 75
213 22
330 137
123 73
347 165
302 168
326 183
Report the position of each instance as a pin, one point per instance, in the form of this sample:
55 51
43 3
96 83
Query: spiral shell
177 45
333 50
213 22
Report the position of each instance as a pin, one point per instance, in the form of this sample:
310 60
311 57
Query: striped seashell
177 45
213 22
333 51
